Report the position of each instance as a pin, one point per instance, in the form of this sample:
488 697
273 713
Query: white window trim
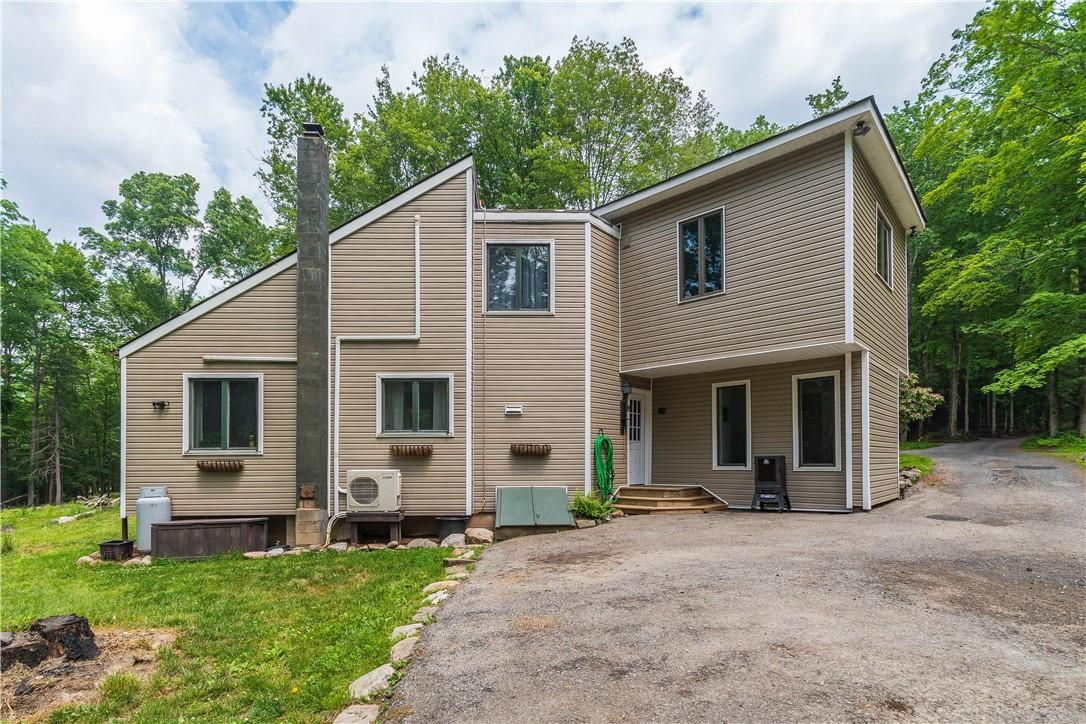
187 378
381 376
836 467
486 279
723 256
889 250
735 383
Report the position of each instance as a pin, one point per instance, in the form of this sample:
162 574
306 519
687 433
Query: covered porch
704 422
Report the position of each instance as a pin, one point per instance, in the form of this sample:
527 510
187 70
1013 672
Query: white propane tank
151 507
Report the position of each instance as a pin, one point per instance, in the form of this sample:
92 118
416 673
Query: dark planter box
116 550
210 537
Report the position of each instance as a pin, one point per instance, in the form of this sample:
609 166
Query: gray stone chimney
311 447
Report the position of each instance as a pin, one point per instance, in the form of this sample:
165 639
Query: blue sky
94 93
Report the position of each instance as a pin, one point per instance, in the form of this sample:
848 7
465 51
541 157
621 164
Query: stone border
405 638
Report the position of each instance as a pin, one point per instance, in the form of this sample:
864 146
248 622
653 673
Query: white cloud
92 94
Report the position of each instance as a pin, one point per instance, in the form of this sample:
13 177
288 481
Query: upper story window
415 404
519 277
223 413
701 255
884 241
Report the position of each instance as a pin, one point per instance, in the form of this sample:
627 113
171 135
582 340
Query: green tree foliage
996 144
917 403
828 100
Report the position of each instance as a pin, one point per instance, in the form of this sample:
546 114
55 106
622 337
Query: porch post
865 425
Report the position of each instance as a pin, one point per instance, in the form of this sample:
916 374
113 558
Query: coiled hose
605 466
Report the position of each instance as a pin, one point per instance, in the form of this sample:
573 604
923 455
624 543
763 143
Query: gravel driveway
966 601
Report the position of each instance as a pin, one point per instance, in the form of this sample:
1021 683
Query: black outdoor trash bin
770 483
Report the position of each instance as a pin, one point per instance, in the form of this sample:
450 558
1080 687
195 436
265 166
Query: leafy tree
828 100
917 402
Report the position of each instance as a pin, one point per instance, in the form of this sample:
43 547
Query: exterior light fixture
861 129
627 388
160 405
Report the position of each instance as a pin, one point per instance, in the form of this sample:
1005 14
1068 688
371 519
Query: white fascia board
224 296
545 217
799 137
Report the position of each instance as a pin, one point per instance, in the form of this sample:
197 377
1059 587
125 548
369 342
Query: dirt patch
897 705
528 623
572 558
30 694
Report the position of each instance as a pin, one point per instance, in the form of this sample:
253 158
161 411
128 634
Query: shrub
590 506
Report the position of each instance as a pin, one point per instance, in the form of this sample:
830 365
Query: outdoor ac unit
376 491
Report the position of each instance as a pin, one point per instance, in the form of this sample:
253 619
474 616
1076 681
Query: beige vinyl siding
373 288
880 312
783 259
884 435
259 322
606 382
533 360
682 446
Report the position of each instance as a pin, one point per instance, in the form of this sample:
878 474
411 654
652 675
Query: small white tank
151 507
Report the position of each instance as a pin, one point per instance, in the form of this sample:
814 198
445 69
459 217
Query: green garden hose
605 466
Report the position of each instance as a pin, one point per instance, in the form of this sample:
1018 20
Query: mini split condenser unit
376 491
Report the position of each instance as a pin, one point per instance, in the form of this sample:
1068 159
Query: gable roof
877 147
283 263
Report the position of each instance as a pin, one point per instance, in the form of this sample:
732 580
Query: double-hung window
701 255
519 277
731 425
816 421
223 413
884 242
415 404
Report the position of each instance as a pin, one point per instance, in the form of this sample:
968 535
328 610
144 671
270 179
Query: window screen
518 277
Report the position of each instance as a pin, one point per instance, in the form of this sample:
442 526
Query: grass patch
918 444
925 465
257 639
1068 446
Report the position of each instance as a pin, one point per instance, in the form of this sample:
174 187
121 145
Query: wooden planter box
211 537
530 449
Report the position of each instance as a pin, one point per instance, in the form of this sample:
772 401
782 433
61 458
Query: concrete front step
653 510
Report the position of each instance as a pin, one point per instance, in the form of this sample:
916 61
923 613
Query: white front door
636 438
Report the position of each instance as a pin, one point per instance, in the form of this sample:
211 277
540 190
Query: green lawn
277 638
925 465
918 444
1068 446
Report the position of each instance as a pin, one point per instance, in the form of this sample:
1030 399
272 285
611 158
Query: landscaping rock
394 544
256 554
374 546
457 552
403 649
6 637
340 547
296 551
84 561
616 513
372 683
408 629
479 535
146 561
461 576
435 598
424 614
912 474
441 586
67 519
454 562
453 539
68 635
26 648
585 523
133 562
422 543
275 552
97 555
358 714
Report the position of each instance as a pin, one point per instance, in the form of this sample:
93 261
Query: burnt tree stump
25 648
69 636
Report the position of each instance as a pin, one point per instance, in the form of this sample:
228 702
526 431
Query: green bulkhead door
532 506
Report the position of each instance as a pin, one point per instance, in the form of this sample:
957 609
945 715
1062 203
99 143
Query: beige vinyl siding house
734 311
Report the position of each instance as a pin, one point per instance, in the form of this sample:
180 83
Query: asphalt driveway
966 601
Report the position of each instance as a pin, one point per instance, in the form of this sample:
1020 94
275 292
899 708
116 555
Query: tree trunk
1010 415
1053 405
58 485
35 427
965 407
5 438
952 398
991 414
